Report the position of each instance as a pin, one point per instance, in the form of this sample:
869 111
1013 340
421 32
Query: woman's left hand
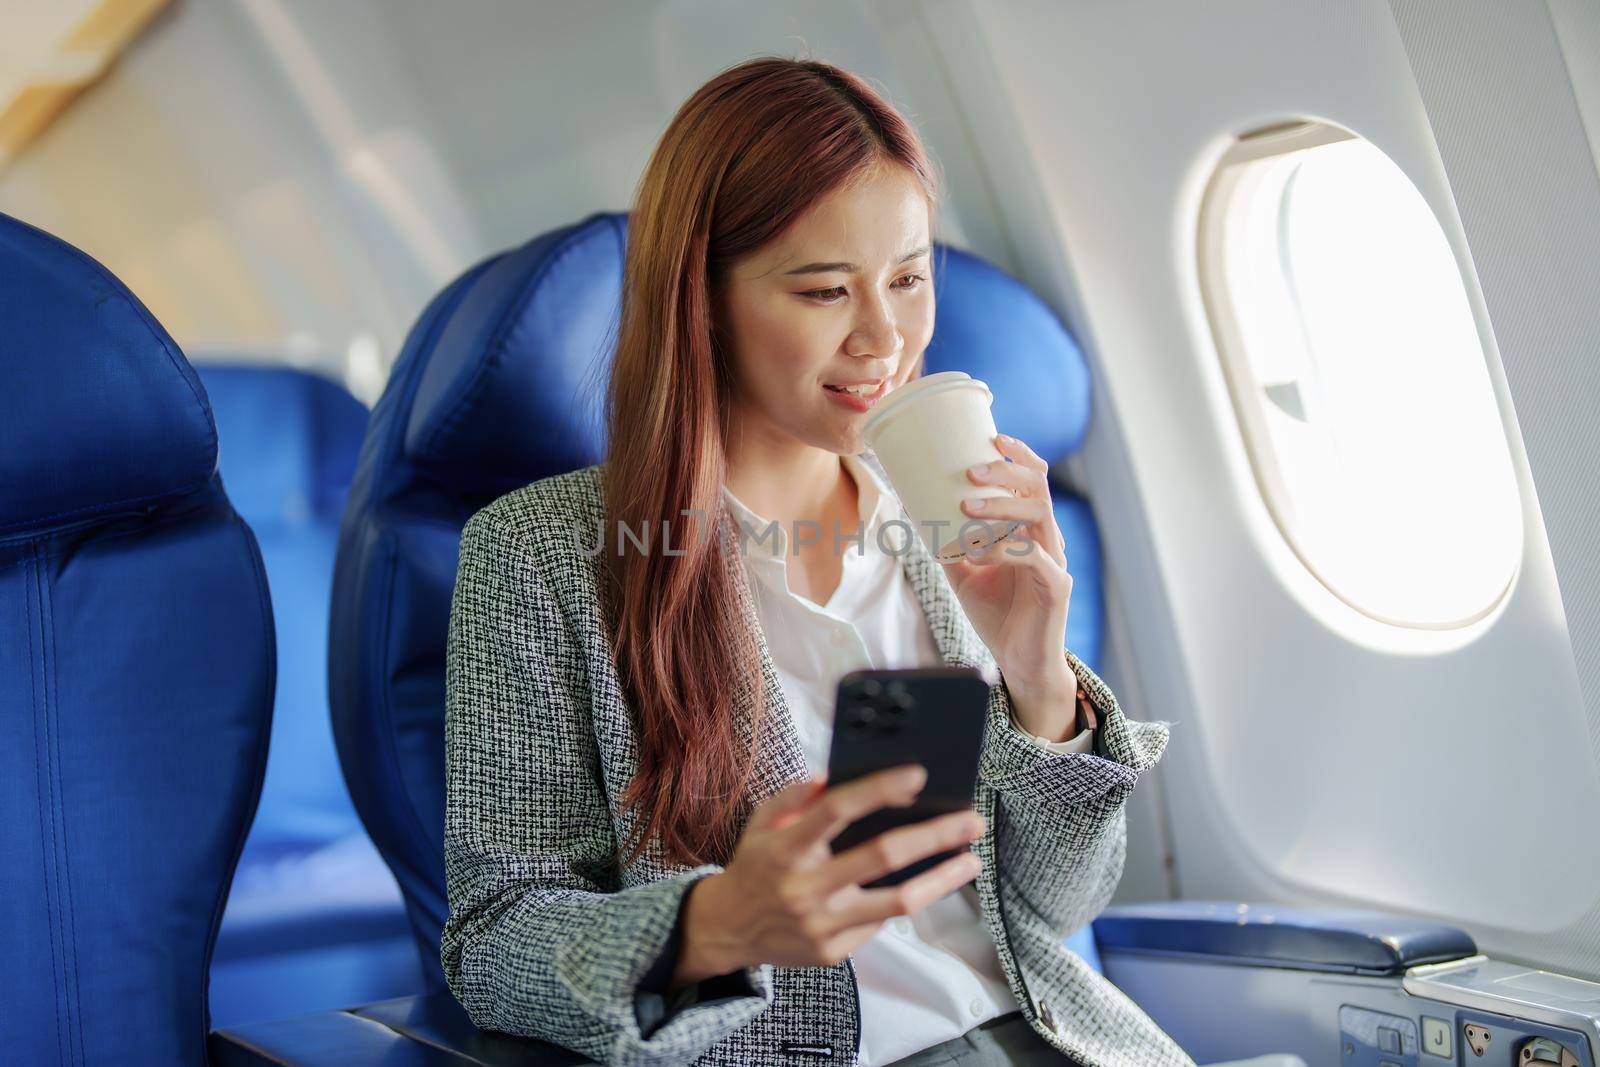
1016 592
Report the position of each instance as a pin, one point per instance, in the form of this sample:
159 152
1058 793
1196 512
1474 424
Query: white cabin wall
1318 757
1511 135
1577 26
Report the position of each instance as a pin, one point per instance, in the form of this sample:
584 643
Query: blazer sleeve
1062 833
539 942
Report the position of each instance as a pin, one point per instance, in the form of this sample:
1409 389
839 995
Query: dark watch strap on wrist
1087 719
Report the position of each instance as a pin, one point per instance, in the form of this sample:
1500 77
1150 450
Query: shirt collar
876 504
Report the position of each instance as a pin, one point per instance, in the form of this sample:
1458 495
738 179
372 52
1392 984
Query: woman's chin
851 442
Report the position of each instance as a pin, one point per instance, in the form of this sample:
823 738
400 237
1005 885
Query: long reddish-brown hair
742 160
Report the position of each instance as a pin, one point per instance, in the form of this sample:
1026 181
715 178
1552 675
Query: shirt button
901 926
976 1007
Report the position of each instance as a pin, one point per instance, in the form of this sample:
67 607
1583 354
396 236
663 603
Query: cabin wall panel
1510 131
1317 756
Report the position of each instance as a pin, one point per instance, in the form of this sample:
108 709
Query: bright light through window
1359 377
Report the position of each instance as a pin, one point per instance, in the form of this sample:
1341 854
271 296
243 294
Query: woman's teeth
855 390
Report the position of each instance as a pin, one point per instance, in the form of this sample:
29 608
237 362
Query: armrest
1341 940
320 1040
437 1019
421 1031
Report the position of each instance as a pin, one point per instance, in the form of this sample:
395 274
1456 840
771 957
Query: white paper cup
926 434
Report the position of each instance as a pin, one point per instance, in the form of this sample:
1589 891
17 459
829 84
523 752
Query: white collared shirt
923 978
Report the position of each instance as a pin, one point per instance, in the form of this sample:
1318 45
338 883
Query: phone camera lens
862 717
870 689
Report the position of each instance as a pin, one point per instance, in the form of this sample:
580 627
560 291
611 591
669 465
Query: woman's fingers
1014 449
842 805
900 847
1027 477
1024 480
1041 527
872 906
1001 508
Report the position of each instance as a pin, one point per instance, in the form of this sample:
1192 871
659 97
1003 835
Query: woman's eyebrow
850 268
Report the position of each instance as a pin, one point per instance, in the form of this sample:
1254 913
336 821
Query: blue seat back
501 383
136 671
288 446
492 390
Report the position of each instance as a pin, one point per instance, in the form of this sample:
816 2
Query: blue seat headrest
994 328
77 341
516 377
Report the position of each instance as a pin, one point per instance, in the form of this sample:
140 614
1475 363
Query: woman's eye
829 296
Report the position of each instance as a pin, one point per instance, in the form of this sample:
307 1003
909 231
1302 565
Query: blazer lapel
779 759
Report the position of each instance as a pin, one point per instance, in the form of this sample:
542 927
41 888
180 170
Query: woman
637 822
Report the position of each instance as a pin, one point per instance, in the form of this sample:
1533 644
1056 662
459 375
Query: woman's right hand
786 899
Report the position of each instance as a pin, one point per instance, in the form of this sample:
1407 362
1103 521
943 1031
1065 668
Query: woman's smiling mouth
859 396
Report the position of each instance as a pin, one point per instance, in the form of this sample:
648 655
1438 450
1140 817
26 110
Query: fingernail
913 777
977 503
981 469
1003 437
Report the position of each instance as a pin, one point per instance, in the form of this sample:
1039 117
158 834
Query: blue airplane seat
136 671
501 383
487 395
315 919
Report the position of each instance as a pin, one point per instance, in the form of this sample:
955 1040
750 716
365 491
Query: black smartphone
934 716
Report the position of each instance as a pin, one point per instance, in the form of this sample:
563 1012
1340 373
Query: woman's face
843 297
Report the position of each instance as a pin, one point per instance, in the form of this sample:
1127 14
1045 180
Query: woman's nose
876 332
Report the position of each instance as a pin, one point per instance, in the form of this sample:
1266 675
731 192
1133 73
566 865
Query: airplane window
1358 376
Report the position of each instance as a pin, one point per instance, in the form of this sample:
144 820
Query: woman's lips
859 403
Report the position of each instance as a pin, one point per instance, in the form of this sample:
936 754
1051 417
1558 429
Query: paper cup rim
927 385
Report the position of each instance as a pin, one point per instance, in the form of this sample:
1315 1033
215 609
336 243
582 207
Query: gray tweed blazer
548 938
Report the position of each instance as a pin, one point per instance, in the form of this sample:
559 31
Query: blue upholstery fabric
501 382
996 329
314 920
118 426
1086 614
288 443
136 671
